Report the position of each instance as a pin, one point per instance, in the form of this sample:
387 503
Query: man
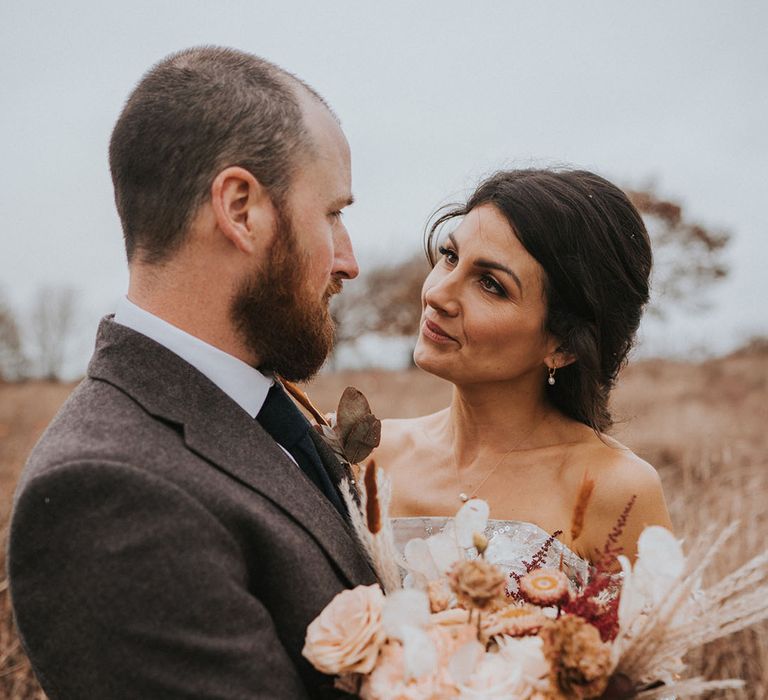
179 525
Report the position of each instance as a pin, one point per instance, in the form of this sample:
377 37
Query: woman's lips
436 334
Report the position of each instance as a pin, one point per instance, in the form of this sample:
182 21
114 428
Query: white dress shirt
244 384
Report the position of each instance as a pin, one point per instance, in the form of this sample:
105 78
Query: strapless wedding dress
511 543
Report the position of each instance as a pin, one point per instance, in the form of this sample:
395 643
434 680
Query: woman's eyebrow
490 265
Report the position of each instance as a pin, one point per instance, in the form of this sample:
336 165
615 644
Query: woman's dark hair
596 255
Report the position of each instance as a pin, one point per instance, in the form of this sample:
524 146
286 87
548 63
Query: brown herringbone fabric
163 546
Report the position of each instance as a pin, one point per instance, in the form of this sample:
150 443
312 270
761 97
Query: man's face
281 311
320 190
278 314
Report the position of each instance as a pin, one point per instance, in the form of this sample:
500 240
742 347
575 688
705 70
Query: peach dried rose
388 680
495 677
528 654
477 583
347 635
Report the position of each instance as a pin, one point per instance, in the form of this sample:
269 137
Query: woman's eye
491 285
336 215
449 255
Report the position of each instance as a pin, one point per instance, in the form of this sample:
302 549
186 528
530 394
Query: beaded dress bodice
511 543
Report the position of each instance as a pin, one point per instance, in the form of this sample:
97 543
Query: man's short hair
193 114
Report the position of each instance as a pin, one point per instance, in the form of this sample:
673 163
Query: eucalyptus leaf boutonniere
353 432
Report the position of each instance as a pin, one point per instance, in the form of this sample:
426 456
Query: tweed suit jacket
162 545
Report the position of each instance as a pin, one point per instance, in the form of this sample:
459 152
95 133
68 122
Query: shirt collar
244 384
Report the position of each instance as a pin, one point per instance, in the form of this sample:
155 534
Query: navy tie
280 417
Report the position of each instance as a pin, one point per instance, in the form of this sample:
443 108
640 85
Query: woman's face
483 306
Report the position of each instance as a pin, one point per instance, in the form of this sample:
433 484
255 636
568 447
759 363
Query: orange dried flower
585 494
514 620
544 587
579 660
477 584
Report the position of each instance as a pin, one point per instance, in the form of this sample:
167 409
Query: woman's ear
242 208
559 358
565 357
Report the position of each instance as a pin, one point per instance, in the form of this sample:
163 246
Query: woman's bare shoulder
606 458
624 483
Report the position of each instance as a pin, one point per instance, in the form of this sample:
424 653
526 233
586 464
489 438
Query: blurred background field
703 425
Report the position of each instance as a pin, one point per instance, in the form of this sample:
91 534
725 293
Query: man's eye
336 215
449 255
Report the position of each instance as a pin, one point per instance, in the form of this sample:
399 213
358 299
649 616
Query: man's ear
243 209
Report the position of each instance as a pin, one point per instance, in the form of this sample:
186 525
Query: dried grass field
702 425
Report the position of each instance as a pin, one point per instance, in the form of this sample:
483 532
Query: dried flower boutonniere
353 432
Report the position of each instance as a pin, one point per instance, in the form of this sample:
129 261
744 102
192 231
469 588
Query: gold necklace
463 497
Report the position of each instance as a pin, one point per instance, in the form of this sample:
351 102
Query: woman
529 311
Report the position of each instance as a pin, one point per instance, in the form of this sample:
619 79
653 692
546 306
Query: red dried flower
598 604
607 558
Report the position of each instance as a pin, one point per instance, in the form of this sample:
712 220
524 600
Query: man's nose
345 262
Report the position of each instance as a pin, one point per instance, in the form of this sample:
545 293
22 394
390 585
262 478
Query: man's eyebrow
490 265
345 201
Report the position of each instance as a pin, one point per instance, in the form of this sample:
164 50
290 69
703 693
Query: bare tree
396 290
386 301
12 361
52 323
688 258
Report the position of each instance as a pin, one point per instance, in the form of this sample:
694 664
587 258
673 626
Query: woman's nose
441 295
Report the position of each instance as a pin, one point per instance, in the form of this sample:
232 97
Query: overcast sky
432 95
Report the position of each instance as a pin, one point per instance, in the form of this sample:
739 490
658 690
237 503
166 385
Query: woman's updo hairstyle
596 255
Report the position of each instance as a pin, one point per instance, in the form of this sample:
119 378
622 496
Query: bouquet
446 623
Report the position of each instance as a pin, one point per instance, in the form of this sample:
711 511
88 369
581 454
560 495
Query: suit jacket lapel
337 470
217 429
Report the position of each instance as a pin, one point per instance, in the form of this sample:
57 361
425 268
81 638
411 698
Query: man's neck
203 314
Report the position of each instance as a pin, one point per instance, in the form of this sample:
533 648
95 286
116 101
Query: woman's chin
421 355
431 360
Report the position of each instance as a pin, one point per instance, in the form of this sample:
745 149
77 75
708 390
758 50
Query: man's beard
282 322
